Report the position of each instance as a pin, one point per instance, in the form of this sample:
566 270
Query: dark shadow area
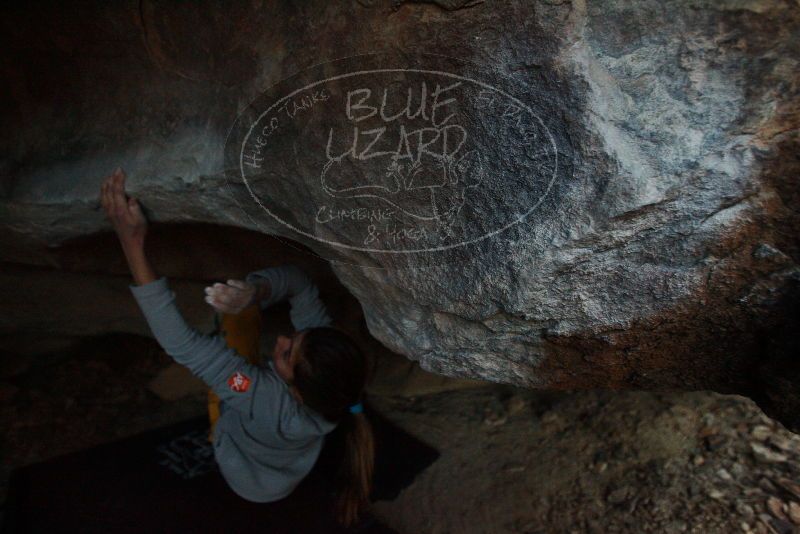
82 380
167 480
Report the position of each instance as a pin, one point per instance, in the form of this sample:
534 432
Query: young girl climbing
272 418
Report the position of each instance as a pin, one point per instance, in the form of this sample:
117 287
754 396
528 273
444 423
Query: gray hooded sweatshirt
265 442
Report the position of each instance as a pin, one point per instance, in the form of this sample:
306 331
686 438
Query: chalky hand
232 297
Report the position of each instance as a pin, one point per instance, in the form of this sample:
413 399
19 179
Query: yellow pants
241 332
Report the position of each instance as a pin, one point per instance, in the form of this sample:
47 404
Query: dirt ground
512 460
521 461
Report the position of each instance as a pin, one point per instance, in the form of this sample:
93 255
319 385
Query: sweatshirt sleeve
289 281
208 357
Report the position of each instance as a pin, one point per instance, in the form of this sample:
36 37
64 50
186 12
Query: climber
272 418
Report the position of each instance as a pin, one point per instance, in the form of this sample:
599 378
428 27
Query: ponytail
356 469
331 377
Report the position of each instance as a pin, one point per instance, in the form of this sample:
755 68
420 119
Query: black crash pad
166 480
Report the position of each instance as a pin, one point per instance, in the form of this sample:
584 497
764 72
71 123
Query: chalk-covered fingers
232 297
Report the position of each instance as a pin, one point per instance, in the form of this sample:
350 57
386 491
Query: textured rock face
628 186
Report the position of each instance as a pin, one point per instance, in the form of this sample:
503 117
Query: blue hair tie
357 408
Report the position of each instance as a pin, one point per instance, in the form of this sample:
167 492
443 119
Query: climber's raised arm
130 224
289 281
206 356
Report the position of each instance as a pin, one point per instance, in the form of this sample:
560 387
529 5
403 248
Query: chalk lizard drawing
431 190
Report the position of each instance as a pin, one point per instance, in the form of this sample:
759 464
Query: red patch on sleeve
239 382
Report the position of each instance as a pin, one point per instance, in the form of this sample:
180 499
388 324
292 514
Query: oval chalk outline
384 251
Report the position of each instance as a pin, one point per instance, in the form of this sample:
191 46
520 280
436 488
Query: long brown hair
330 376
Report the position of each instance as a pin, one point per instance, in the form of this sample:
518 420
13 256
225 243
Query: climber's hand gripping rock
124 212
